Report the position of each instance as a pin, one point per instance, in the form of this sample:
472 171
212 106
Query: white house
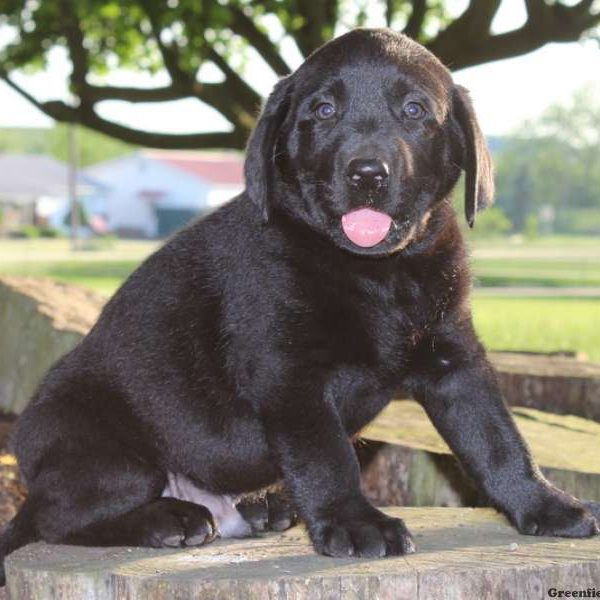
34 190
154 192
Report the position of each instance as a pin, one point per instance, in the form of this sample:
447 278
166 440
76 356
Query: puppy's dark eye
414 110
325 110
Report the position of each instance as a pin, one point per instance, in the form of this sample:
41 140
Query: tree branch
461 46
226 139
75 44
17 88
238 85
536 10
237 101
216 95
64 113
479 15
245 27
99 93
415 22
471 27
319 16
564 23
168 53
74 36
237 107
389 9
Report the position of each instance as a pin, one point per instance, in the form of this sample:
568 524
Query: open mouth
366 227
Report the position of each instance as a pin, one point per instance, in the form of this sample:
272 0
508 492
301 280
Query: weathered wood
557 384
462 553
405 461
40 320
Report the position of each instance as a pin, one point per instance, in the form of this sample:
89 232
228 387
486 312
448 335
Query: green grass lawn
504 323
102 270
540 272
539 324
546 262
102 277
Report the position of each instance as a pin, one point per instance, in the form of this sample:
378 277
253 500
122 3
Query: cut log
557 384
471 554
40 321
405 461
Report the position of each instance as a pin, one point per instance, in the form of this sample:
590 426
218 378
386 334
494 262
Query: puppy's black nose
367 172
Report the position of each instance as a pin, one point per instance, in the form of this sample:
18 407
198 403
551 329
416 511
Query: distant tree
576 126
183 35
492 223
92 147
19 140
554 162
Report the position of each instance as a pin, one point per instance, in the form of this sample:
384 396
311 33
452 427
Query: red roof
223 169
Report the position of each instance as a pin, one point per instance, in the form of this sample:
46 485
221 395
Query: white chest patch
228 520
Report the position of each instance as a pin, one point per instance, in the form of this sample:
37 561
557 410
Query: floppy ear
259 165
477 163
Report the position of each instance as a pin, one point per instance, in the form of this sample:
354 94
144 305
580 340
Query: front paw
369 535
594 508
555 513
271 512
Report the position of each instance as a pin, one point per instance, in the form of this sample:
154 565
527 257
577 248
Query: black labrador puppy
256 342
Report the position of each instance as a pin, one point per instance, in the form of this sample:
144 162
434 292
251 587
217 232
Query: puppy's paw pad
171 541
272 512
561 518
373 538
175 523
199 539
255 512
336 542
594 508
282 515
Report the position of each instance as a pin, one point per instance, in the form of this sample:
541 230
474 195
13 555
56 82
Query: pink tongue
366 227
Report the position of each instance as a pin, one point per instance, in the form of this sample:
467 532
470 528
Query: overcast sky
505 92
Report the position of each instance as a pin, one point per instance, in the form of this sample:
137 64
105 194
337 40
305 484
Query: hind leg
95 495
79 483
112 500
165 522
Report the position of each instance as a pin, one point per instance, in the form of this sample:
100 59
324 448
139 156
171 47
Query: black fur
258 340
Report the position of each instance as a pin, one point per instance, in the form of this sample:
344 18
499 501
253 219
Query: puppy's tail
19 532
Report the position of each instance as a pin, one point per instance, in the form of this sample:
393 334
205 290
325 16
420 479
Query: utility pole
73 203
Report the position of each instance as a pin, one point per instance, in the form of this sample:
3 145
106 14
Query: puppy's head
363 141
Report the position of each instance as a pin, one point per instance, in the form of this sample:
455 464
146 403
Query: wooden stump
471 554
557 384
406 462
40 320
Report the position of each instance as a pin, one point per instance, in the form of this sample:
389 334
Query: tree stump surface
406 462
462 553
556 441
